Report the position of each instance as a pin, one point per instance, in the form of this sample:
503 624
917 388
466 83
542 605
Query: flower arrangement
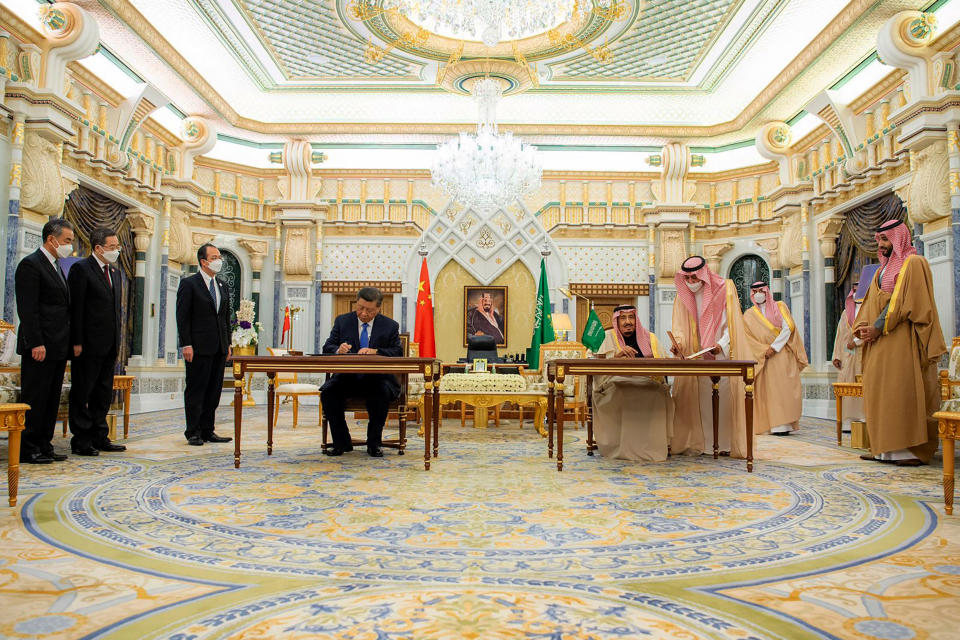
246 332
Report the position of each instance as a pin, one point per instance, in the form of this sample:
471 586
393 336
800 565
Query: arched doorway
744 272
232 274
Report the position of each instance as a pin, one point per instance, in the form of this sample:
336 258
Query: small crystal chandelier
488 20
488 171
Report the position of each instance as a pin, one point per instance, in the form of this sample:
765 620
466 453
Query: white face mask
760 298
215 265
695 286
64 250
111 256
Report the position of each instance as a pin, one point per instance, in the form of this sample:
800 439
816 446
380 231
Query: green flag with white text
593 333
542 322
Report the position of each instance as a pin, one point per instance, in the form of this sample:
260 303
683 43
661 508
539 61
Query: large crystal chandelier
490 170
489 20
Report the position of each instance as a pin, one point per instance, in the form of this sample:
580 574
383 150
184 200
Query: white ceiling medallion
489 171
490 20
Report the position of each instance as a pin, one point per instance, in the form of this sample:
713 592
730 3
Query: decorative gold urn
249 350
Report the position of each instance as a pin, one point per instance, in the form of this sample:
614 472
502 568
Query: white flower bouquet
246 332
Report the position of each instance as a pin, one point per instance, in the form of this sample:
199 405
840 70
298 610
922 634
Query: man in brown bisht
848 358
706 313
777 347
899 325
633 415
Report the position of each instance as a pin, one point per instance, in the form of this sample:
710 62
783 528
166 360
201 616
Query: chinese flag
423 324
286 324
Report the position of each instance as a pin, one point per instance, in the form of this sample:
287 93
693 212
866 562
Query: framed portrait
485 313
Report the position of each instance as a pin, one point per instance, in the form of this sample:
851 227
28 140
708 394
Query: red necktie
106 274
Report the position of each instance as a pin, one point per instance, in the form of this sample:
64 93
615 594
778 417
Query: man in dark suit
43 338
361 332
95 291
203 326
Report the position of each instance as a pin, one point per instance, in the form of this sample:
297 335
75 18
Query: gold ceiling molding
95 84
19 29
149 34
352 286
820 133
242 169
893 80
424 174
103 91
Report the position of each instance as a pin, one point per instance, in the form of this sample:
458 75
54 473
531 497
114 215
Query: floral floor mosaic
170 541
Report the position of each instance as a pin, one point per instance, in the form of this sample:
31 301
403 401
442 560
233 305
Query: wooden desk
558 370
12 418
843 390
271 365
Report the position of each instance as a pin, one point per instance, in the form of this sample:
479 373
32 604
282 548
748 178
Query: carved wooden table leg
427 416
715 401
839 417
271 398
437 416
591 443
126 412
551 412
13 467
948 453
948 433
560 393
748 402
237 411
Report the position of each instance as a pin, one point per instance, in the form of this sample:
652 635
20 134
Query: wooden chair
575 397
286 386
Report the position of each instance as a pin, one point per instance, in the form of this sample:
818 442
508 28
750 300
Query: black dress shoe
35 458
215 438
109 446
88 450
195 441
56 457
375 452
333 451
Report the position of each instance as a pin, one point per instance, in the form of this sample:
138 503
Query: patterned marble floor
170 541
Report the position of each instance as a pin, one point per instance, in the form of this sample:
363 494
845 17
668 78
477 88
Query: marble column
828 248
164 275
804 207
13 214
953 152
652 275
143 226
277 286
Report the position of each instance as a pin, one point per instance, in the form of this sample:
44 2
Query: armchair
287 386
949 420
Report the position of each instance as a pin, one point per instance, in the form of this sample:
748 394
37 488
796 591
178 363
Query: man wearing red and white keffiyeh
707 315
903 342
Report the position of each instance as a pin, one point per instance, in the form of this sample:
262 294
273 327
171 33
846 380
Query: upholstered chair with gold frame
287 386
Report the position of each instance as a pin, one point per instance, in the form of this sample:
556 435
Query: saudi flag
542 322
593 333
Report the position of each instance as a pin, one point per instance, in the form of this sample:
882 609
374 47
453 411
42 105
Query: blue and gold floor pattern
170 541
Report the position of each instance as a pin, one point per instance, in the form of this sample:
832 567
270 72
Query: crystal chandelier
488 171
489 20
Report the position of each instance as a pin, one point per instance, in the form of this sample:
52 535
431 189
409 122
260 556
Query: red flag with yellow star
423 324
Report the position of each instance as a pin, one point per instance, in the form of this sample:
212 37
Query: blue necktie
364 337
213 290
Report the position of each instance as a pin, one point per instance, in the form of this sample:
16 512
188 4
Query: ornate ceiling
706 70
